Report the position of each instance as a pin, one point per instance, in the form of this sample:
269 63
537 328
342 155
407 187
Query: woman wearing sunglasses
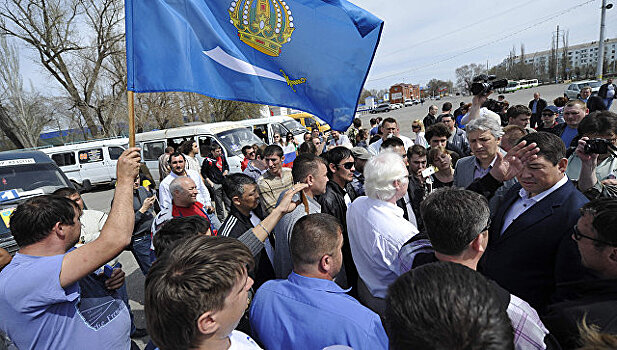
417 128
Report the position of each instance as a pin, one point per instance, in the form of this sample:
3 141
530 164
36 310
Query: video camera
483 84
599 146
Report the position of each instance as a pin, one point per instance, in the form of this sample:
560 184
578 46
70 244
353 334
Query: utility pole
601 42
557 57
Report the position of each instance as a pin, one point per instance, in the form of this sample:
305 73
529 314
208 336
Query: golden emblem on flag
265 25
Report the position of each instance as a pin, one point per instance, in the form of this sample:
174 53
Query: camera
483 84
598 146
494 105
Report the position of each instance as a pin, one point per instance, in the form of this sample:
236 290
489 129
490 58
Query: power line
458 31
537 23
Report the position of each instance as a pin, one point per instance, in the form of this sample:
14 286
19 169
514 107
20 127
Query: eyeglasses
347 165
547 114
250 153
415 126
488 225
578 235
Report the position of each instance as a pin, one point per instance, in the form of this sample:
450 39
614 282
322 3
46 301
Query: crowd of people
486 228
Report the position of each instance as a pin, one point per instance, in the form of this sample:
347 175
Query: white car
573 91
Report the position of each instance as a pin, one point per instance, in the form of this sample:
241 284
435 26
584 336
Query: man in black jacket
594 103
213 170
596 299
245 213
608 93
536 105
335 201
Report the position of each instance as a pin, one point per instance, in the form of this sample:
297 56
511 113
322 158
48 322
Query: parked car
265 128
310 121
89 163
24 174
384 107
231 136
573 91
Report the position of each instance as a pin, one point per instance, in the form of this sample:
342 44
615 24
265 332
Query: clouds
430 39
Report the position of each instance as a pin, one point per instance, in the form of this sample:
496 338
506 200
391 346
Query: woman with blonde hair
441 159
417 128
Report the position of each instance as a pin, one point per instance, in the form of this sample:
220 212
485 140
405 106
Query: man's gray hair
485 123
176 184
380 172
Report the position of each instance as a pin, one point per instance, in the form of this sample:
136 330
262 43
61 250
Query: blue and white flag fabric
311 55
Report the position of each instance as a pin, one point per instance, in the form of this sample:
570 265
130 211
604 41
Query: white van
89 163
265 128
231 136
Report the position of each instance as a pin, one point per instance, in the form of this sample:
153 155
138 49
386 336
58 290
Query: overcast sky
422 40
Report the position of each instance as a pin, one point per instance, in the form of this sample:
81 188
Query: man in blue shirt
573 113
309 310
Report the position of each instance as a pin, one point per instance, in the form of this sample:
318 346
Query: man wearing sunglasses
335 201
594 300
249 154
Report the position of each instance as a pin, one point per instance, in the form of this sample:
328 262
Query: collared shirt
311 313
203 196
270 188
375 147
282 234
478 171
529 331
534 106
377 231
525 202
606 169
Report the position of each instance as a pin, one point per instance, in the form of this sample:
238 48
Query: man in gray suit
484 134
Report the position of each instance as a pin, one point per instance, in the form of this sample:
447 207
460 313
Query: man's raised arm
117 231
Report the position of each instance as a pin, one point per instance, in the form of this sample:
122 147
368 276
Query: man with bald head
184 203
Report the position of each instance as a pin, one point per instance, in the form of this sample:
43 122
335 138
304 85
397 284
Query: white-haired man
484 134
377 229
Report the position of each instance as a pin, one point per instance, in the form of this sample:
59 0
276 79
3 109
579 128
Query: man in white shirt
216 267
339 139
177 163
389 127
377 229
530 250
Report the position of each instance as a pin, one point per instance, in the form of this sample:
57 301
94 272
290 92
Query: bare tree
22 114
51 28
160 110
465 75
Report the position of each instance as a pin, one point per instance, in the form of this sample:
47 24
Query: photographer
594 164
481 106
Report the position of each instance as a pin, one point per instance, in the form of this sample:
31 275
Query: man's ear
332 167
613 255
562 165
58 230
206 323
310 179
325 263
236 200
480 242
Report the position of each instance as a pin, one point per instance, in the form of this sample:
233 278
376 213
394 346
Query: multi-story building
581 56
401 92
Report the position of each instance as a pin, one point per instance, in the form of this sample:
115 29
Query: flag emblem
265 25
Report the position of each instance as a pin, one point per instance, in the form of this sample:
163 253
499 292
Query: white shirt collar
525 195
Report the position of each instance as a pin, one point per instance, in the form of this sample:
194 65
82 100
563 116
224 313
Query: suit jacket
540 106
536 251
463 177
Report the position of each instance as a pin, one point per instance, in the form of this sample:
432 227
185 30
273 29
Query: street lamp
600 67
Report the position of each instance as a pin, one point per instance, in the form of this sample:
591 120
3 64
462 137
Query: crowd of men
489 229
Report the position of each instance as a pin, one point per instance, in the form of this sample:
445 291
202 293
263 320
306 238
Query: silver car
573 91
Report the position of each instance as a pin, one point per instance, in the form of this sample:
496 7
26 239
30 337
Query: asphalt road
405 116
100 198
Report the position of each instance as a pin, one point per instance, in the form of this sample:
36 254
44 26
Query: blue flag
312 55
